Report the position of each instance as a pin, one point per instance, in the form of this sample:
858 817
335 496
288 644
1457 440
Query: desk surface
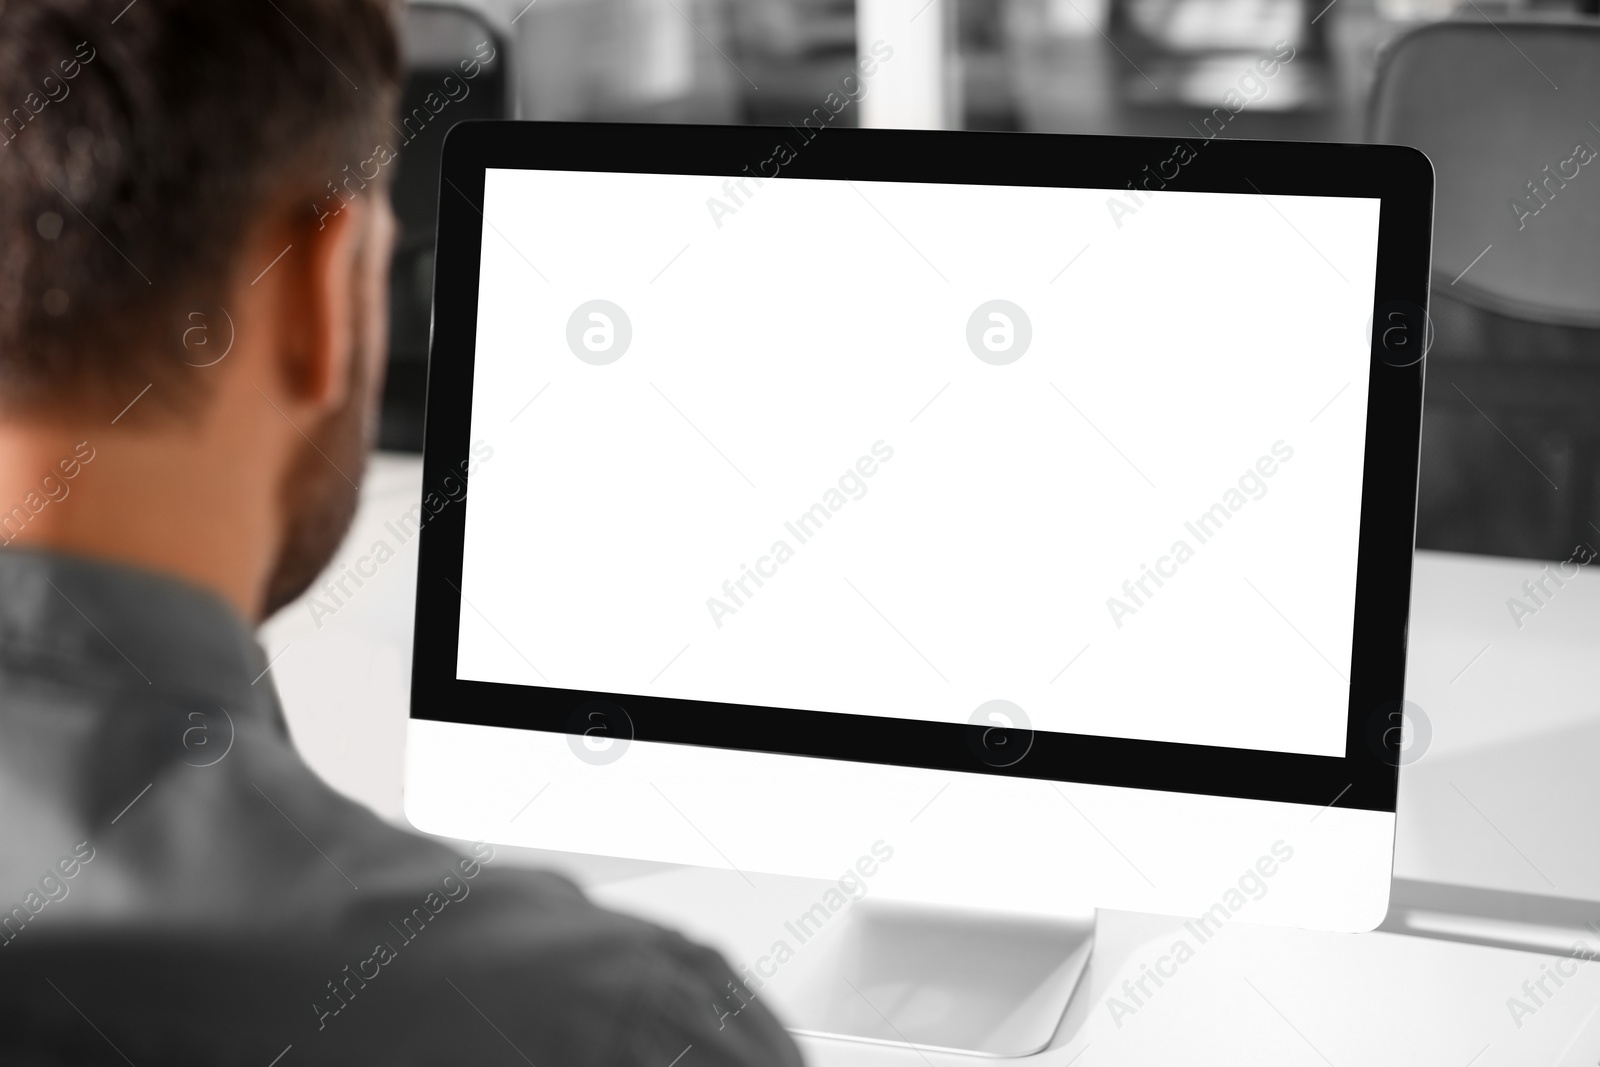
1502 797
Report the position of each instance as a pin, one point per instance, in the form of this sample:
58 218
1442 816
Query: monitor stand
875 970
974 982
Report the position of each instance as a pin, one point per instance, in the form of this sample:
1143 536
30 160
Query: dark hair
138 143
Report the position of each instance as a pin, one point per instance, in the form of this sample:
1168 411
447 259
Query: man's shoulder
585 984
505 966
284 914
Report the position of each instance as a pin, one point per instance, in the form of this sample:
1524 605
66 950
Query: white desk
1506 796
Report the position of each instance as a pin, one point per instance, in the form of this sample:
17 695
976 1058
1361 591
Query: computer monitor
1018 522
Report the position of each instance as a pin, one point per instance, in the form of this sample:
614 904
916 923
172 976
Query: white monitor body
960 840
535 589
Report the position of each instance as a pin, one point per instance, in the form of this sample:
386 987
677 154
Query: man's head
171 236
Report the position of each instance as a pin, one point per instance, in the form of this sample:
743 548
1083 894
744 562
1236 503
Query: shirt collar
121 626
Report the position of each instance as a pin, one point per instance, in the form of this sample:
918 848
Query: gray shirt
177 886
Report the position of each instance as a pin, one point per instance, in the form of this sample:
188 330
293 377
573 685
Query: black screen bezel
1401 178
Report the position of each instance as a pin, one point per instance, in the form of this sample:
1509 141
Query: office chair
1511 426
437 38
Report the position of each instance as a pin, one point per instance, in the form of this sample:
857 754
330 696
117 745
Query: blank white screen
774 345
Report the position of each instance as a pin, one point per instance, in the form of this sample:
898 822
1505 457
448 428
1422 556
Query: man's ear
316 298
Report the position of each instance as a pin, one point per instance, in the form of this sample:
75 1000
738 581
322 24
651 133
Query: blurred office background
1504 98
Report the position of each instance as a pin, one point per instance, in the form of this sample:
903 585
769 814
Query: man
191 345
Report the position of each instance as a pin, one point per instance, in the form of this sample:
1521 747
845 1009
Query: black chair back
1511 432
458 67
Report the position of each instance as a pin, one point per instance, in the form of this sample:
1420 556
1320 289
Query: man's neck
156 501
